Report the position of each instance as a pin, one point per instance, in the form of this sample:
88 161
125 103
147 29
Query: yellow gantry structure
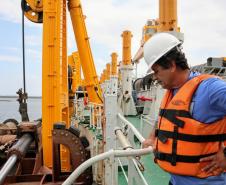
104 75
75 63
149 29
78 78
54 76
55 95
167 22
126 54
108 70
82 40
76 81
167 15
114 64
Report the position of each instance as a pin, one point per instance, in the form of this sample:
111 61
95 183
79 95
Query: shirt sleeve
217 94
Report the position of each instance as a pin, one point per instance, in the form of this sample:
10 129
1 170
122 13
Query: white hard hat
157 46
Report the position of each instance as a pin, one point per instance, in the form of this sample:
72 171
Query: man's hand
150 141
147 143
217 162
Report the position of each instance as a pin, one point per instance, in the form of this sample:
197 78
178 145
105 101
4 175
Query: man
191 131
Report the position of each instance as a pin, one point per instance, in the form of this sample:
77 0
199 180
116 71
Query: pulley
33 10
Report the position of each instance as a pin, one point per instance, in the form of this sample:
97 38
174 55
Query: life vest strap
179 158
188 137
172 114
174 146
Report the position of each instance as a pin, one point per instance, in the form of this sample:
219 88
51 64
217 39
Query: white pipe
111 153
124 142
135 131
123 171
139 172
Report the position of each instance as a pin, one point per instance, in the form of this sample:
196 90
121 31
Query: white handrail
139 172
111 153
126 145
135 131
123 171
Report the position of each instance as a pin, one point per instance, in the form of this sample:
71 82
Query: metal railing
111 153
129 152
95 113
134 171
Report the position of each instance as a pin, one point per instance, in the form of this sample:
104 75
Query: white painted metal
135 131
111 171
123 171
126 100
113 85
141 177
122 139
111 153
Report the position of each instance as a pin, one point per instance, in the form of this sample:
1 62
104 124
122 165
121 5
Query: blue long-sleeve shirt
208 105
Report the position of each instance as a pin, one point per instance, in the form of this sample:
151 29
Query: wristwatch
224 151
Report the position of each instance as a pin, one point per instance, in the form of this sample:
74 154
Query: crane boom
82 40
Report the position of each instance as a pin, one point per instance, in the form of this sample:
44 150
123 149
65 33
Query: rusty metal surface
6 139
78 154
29 157
29 126
30 169
20 148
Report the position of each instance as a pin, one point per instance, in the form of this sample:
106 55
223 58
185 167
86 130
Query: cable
23 95
23 50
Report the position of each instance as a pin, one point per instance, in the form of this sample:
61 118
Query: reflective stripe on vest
181 140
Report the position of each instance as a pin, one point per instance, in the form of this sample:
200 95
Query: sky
201 21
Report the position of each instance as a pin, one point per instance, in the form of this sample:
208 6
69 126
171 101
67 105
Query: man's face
165 77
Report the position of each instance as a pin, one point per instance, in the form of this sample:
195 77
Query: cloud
106 28
10 10
34 89
202 22
204 28
7 58
9 49
33 40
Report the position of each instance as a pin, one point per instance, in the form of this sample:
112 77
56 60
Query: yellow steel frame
126 54
114 64
54 76
75 63
87 63
78 78
108 70
105 74
167 15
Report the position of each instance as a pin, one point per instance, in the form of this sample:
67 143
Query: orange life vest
181 140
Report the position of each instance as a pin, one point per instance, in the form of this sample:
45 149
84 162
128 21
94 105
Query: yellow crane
82 40
55 95
167 22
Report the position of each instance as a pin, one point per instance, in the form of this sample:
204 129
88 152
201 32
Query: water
9 108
